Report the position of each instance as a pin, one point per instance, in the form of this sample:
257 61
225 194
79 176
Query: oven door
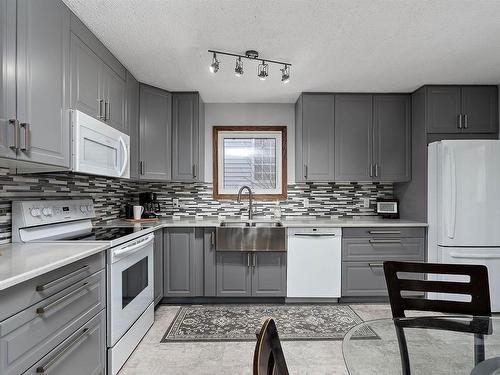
98 148
130 284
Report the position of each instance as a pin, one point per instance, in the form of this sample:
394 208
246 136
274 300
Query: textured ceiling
334 45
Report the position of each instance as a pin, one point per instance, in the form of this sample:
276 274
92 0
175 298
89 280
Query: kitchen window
249 155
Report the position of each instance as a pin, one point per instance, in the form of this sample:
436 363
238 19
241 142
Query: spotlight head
263 71
285 74
238 70
214 66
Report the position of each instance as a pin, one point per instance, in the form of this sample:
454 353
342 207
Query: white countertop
23 261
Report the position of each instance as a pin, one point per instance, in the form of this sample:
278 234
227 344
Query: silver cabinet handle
305 171
106 110
51 362
50 306
253 260
99 115
50 284
25 126
248 259
459 121
376 169
384 241
212 239
372 265
384 232
315 234
194 170
15 124
466 121
141 167
371 170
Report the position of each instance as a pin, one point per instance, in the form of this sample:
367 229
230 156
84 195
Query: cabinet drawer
32 291
83 353
354 249
29 335
365 279
389 232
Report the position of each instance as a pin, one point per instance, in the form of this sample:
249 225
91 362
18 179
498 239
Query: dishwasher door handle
315 234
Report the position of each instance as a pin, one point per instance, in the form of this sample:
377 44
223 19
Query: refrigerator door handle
452 196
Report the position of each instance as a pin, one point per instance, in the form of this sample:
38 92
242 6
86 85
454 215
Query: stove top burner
106 233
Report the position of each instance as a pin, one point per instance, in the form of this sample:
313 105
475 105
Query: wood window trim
215 164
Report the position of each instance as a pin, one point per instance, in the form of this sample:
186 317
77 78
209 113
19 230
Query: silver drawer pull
50 306
51 362
50 284
384 231
385 241
375 265
315 234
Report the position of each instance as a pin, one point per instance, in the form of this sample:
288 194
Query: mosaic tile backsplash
194 199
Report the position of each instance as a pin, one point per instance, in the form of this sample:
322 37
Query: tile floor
303 357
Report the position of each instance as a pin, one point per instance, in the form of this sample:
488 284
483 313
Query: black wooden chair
268 357
477 288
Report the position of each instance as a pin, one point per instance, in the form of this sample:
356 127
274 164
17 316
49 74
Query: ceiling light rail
262 69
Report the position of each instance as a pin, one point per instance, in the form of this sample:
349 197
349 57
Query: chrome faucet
250 197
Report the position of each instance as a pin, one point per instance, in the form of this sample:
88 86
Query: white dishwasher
314 263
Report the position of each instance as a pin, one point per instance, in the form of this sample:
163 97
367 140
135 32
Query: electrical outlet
175 203
366 202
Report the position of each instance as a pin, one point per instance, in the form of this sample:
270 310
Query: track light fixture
214 67
238 70
285 74
262 69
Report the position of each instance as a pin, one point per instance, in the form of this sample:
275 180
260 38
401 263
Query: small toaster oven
388 208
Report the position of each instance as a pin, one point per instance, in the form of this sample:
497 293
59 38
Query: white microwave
98 148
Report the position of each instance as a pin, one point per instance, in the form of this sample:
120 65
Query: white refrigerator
464 207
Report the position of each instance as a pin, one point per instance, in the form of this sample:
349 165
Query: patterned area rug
241 322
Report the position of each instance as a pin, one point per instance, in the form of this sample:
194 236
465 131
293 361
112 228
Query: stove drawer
29 335
21 296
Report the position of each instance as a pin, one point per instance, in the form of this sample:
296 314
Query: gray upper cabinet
7 78
155 132
391 138
353 137
480 109
461 109
315 138
42 81
234 274
133 123
183 262
187 137
269 274
115 99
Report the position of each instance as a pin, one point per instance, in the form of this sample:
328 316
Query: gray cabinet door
233 274
183 262
86 81
391 137
480 109
269 274
155 133
185 137
7 77
443 109
353 137
317 144
210 261
115 93
158 265
43 57
133 123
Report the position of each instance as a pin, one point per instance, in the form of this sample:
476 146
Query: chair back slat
477 288
268 356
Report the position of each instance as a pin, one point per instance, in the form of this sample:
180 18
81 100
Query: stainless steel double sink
251 236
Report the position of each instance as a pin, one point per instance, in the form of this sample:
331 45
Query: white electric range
130 289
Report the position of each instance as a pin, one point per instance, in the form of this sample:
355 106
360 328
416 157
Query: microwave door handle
125 156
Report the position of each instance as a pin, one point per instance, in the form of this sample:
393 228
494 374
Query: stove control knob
89 208
83 209
35 212
47 211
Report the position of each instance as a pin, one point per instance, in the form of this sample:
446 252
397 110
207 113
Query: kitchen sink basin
251 236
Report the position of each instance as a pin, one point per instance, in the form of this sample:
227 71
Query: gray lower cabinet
158 266
353 137
133 123
365 249
242 274
82 353
210 263
155 133
183 262
7 78
314 142
188 131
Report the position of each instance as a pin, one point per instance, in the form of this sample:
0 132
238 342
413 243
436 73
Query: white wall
277 114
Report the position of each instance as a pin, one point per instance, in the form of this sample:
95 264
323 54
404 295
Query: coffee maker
150 203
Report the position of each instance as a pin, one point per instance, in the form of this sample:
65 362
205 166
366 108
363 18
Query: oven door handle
135 247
